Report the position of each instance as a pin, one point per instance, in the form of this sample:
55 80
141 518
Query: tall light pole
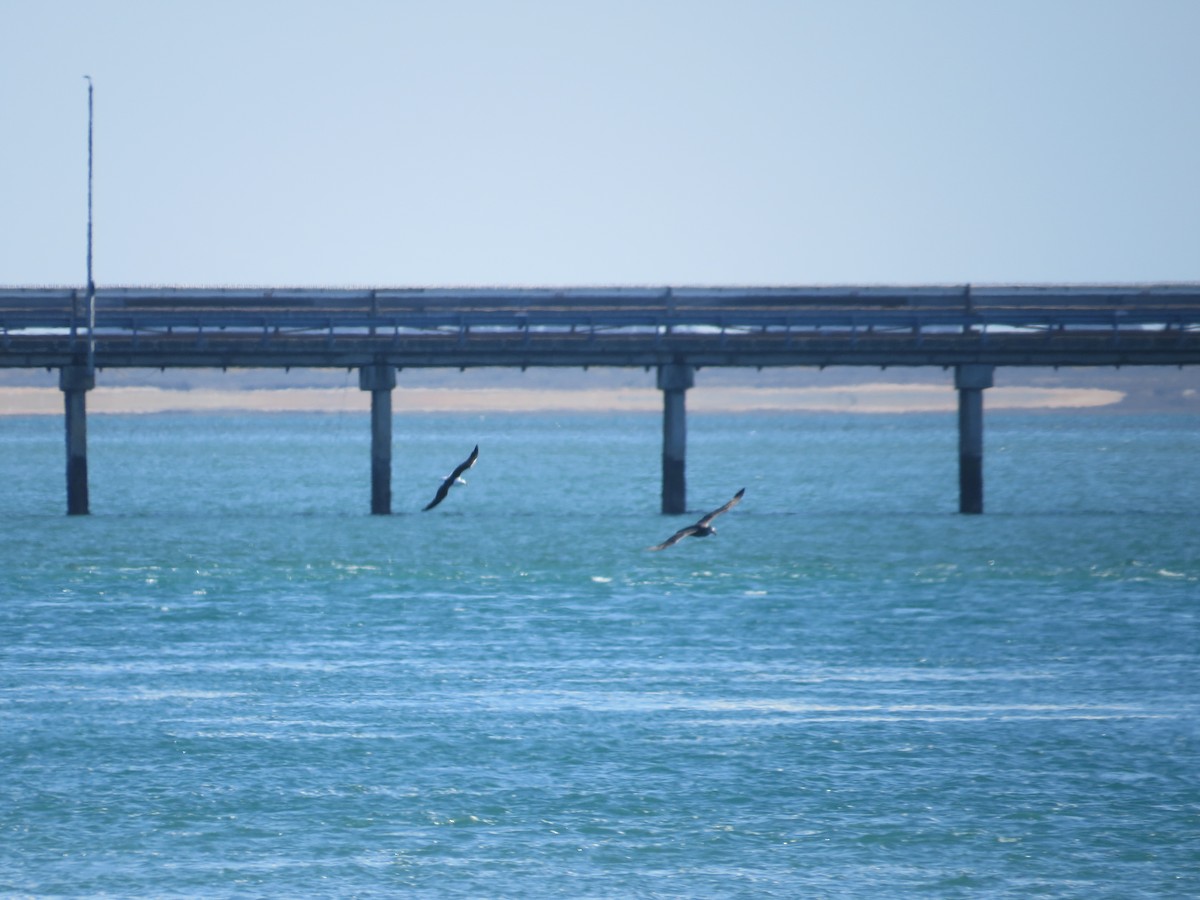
91 285
75 380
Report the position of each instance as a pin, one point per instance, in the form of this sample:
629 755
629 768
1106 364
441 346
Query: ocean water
231 681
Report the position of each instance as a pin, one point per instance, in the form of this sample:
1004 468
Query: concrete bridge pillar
673 381
971 381
75 382
380 381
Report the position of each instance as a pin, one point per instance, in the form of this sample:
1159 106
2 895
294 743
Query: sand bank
866 398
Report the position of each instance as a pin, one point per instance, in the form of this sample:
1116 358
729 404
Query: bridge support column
380 381
75 382
673 381
971 381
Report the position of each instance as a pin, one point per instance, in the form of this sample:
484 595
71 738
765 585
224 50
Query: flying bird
703 528
454 478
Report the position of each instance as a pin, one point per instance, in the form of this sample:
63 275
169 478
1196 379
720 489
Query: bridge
676 330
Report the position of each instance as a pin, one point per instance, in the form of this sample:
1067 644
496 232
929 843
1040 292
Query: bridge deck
720 326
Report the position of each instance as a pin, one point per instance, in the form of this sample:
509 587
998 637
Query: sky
600 142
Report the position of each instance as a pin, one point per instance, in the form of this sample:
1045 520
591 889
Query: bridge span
677 330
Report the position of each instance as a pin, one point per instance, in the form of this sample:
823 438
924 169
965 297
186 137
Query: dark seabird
703 528
454 477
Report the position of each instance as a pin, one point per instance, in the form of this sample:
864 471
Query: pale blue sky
615 142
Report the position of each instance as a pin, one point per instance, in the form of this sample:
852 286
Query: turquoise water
231 681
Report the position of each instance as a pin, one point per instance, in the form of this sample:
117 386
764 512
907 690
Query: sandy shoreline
867 398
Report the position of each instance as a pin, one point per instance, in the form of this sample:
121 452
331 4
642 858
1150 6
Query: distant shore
864 398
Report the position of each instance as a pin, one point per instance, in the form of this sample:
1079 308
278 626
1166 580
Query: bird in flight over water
703 528
453 478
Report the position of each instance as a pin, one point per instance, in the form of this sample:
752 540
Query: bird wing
442 491
737 498
676 537
465 464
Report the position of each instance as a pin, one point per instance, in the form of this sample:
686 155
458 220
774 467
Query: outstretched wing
442 491
737 498
465 464
676 537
